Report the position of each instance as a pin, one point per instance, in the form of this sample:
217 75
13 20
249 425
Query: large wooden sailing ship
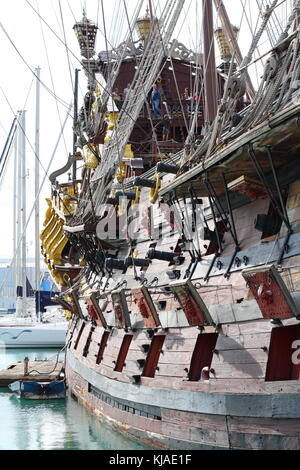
179 258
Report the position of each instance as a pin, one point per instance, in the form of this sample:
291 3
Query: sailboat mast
37 181
23 176
15 203
18 177
210 74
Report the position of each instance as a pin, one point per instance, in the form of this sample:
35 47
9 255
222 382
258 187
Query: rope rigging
37 196
62 102
276 82
263 101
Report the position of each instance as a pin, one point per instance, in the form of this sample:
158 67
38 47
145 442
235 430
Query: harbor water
51 425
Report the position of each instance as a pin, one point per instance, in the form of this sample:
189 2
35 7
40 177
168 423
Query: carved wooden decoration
190 301
146 307
95 311
121 309
270 292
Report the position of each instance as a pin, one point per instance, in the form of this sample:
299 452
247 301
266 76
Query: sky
24 37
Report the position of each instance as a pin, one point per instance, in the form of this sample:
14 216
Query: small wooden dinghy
38 390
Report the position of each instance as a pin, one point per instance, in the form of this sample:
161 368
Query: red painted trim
280 365
202 355
88 342
79 335
153 356
102 346
123 353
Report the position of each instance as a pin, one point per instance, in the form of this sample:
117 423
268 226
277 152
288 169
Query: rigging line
56 17
151 123
276 6
61 101
271 34
65 40
3 128
154 134
266 53
39 192
19 123
192 44
52 80
98 10
174 75
200 92
7 150
274 18
250 25
7 156
273 24
179 96
72 13
106 47
257 37
71 52
118 26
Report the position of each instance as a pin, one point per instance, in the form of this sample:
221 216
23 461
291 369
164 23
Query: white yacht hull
48 335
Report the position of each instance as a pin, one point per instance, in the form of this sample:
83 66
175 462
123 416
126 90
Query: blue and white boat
34 390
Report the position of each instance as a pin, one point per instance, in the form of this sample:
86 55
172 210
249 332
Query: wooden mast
222 13
209 63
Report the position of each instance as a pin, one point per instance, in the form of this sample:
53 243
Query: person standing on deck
187 97
127 91
155 101
166 127
117 97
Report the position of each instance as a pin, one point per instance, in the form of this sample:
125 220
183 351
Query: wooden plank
238 356
271 426
207 421
177 343
172 370
41 371
196 434
256 327
251 341
218 385
175 357
240 371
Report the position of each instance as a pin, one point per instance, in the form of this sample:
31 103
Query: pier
41 371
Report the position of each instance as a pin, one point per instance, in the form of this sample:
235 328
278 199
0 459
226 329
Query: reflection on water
52 424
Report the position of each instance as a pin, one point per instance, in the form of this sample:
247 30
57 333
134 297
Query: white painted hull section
50 335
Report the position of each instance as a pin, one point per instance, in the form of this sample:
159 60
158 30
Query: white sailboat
27 329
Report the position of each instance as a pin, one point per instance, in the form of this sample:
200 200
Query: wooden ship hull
234 409
185 328
151 381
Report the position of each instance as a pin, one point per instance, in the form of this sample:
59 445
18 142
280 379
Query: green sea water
52 424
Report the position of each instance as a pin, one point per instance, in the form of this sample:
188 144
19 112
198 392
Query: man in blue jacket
155 101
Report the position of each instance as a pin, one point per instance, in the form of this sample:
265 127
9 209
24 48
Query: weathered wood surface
41 371
239 359
186 429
